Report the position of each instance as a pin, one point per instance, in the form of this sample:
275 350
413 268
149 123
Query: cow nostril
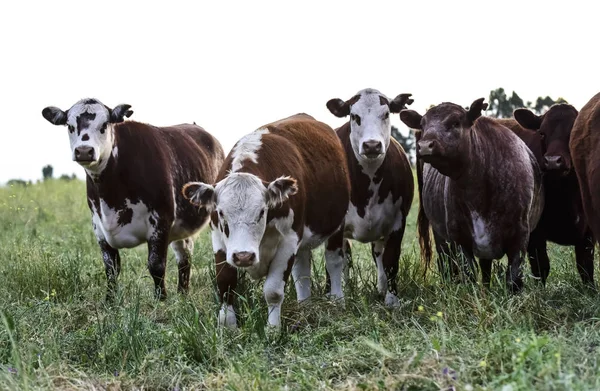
430 146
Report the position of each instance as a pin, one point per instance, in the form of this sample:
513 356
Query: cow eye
71 128
386 115
542 135
260 215
355 118
456 124
103 128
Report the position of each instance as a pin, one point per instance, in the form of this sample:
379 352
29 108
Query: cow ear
119 113
527 119
400 102
54 115
411 118
475 109
280 190
200 194
338 107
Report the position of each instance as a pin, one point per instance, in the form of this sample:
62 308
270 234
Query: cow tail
422 220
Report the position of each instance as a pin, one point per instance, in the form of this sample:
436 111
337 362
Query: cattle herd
487 188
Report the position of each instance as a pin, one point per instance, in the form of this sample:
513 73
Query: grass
56 331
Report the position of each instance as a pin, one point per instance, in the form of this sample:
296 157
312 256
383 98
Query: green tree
407 142
542 104
47 172
501 105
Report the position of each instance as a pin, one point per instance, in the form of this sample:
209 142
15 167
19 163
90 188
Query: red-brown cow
282 191
134 172
584 147
481 186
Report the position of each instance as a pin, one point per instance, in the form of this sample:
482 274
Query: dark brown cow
584 148
134 174
562 220
382 182
481 186
282 191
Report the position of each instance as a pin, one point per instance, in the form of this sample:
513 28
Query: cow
480 186
562 219
381 179
282 191
134 173
583 145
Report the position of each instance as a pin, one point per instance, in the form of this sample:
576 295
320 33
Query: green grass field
56 332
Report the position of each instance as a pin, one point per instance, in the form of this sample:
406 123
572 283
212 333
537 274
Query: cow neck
469 171
104 181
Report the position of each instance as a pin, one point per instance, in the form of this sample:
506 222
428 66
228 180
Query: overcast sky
234 66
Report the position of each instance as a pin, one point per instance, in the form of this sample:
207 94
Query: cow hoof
338 300
391 300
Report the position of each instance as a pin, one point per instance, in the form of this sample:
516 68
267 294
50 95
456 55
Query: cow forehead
442 111
370 100
241 193
89 109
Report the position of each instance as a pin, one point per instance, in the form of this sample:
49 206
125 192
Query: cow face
90 130
554 128
370 128
239 205
443 129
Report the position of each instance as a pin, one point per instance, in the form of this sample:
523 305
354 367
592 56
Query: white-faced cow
282 191
481 186
134 174
381 179
562 220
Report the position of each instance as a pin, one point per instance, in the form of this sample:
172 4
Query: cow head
240 203
90 130
554 127
443 128
370 128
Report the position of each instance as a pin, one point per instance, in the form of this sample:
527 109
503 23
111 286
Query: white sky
232 66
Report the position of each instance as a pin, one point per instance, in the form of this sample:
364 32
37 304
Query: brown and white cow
134 173
481 186
381 179
585 146
562 220
282 191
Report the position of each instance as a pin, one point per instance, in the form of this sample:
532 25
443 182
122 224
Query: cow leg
445 257
157 262
335 263
514 273
279 271
584 253
183 253
227 279
347 249
112 266
390 261
486 271
538 256
301 274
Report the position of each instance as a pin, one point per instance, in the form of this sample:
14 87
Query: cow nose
372 148
84 154
244 258
554 162
426 148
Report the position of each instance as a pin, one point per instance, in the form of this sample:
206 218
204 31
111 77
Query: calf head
442 131
90 130
554 127
239 205
370 128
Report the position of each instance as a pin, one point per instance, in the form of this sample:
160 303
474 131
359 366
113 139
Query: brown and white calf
134 173
481 186
381 179
585 151
282 191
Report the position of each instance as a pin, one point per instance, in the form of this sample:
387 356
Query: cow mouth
371 156
558 172
84 162
244 264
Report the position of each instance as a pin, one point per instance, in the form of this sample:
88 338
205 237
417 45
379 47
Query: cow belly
379 221
484 245
124 228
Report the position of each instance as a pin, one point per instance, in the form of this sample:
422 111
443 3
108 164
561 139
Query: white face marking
137 231
247 148
89 128
241 206
369 122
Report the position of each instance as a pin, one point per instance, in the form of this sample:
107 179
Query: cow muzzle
84 154
244 259
372 149
556 164
427 148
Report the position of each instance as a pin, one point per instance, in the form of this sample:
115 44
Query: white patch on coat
136 232
311 240
379 221
227 316
481 237
247 149
301 274
335 263
115 151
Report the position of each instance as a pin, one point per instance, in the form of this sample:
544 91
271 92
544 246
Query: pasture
56 331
